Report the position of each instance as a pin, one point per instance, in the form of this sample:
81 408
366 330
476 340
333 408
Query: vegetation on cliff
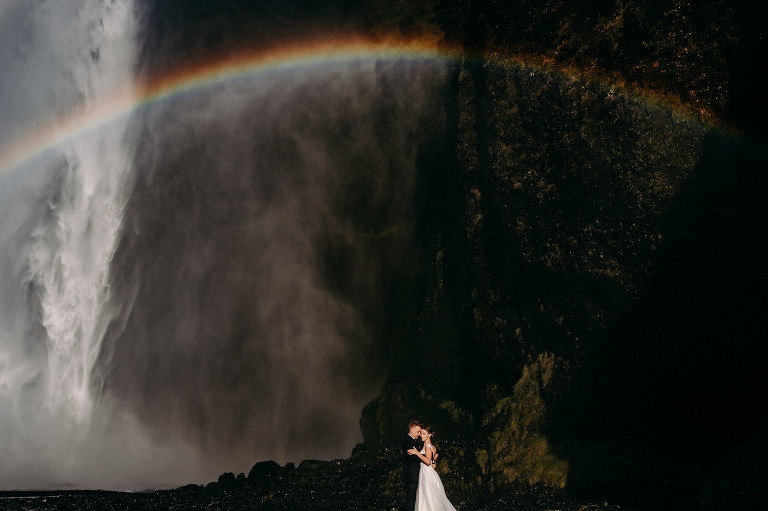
590 292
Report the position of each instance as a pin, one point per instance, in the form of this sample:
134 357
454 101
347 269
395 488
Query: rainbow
243 64
250 63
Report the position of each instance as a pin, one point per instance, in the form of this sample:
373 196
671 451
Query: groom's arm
408 443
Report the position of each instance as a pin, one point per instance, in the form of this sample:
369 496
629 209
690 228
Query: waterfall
188 288
61 213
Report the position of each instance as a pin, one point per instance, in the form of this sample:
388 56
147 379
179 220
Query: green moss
384 420
481 456
394 478
518 450
457 415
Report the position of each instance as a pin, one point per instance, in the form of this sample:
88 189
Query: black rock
263 470
227 480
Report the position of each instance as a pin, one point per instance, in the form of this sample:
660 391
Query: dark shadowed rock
263 470
227 480
312 465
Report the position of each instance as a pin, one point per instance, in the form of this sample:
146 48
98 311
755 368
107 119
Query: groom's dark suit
411 467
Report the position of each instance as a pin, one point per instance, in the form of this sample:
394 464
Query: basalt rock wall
584 305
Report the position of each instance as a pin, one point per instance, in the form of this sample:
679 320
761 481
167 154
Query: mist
255 210
188 289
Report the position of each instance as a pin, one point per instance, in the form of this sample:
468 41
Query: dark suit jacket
411 462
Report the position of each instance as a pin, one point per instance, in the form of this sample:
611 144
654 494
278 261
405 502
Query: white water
61 213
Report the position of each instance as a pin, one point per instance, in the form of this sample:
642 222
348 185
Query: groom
411 464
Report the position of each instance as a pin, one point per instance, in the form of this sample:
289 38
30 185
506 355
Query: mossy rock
517 448
385 420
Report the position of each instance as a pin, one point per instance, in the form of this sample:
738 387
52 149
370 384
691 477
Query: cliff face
577 296
586 292
706 57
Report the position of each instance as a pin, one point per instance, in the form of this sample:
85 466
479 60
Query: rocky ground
368 480
319 498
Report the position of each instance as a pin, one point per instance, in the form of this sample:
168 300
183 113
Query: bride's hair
429 430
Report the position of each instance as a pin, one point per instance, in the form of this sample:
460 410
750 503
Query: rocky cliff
583 303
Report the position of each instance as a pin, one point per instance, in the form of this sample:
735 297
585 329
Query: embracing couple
423 488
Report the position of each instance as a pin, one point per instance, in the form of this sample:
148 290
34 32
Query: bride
431 494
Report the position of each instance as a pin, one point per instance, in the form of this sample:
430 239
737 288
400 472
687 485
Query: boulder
263 470
227 480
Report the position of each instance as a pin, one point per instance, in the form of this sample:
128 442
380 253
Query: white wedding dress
431 494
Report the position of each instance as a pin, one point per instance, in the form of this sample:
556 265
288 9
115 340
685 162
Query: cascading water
184 289
61 212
